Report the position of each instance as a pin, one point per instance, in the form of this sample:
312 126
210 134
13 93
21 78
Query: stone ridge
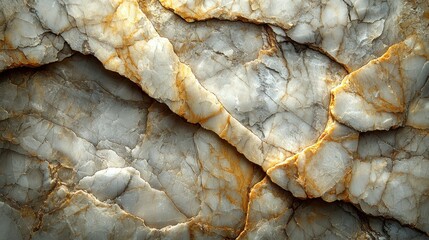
174 180
85 138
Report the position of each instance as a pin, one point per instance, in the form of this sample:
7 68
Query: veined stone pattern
214 119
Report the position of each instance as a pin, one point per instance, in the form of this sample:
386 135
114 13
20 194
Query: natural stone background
237 114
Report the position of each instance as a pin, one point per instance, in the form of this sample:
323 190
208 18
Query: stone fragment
274 213
352 32
23 39
277 90
271 74
385 173
390 91
74 126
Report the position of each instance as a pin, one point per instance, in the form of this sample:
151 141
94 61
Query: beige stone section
351 32
24 41
385 173
81 147
388 92
274 213
124 40
132 47
319 170
274 88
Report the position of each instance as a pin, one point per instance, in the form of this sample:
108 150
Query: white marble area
214 119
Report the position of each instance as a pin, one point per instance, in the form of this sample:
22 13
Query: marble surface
106 145
350 31
214 119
